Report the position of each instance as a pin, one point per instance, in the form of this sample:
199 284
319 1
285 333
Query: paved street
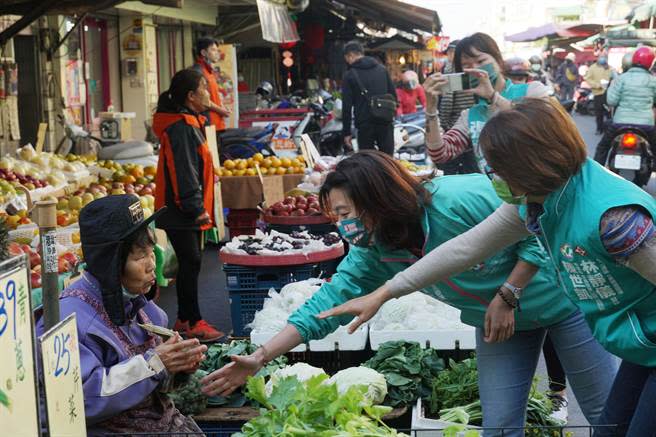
215 306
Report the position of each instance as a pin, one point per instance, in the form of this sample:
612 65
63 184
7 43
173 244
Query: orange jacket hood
162 120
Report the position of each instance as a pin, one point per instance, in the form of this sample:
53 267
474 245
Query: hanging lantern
288 62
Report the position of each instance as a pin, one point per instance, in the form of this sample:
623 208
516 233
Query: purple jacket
119 367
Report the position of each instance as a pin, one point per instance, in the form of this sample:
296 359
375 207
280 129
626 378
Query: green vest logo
567 251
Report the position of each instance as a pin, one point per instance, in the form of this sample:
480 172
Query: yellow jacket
596 73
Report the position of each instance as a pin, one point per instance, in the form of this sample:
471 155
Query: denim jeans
631 404
506 370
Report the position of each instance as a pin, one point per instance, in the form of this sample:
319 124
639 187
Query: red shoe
181 327
204 332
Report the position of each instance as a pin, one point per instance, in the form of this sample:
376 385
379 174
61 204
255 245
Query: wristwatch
516 292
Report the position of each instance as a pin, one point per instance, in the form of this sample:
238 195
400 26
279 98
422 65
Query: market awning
643 12
554 30
402 16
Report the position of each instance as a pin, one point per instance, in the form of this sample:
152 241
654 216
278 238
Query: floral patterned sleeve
624 230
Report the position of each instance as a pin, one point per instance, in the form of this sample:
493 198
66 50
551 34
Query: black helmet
516 67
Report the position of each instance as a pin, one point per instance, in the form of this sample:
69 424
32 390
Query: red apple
145 190
70 258
35 259
298 212
283 214
14 249
312 211
314 205
35 279
289 208
63 265
300 199
289 200
26 248
312 198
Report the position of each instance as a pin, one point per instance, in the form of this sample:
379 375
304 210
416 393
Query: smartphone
456 82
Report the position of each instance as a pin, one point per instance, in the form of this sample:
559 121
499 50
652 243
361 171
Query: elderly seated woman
124 367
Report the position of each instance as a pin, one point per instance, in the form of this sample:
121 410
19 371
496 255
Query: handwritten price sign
18 397
63 383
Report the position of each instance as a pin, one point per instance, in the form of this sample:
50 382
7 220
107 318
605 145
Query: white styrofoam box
423 427
260 339
439 339
342 340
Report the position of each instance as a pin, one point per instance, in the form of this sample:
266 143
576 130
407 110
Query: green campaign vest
618 303
480 113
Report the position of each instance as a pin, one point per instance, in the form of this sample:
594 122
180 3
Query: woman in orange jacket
185 185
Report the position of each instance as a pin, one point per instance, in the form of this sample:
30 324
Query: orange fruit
240 172
227 173
264 171
229 164
296 162
280 171
258 157
266 163
241 164
286 162
137 172
128 179
299 170
250 162
275 162
218 171
151 170
290 170
250 172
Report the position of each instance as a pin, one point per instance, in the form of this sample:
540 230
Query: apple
35 259
63 265
145 191
302 205
118 191
14 249
129 190
283 214
312 198
289 200
314 205
118 185
312 211
300 199
298 212
70 257
288 208
35 280
26 248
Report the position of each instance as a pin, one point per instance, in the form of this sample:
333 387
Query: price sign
18 397
62 379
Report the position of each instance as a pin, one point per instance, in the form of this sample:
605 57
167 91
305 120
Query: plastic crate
244 278
243 306
242 221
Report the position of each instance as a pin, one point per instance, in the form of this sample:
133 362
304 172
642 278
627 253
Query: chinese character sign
63 384
18 397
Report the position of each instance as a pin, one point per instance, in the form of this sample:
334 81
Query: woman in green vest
480 58
599 233
391 219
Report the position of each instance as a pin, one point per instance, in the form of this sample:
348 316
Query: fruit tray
296 220
282 260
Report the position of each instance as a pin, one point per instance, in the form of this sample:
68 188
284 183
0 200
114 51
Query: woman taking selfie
391 218
598 229
480 58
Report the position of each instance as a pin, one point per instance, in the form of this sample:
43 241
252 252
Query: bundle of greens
454 387
408 369
314 408
188 397
4 399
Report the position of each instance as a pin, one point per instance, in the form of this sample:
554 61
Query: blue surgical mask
354 232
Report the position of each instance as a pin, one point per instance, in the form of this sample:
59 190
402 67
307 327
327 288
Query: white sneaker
559 407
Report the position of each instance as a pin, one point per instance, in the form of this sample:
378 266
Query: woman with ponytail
185 185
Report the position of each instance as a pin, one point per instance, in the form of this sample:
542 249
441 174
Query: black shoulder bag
381 106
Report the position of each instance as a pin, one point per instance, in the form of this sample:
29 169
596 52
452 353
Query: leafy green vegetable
408 369
313 408
4 399
455 386
188 398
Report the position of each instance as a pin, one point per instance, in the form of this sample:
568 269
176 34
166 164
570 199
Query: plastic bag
170 263
276 25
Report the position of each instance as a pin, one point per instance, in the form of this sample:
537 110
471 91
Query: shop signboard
62 379
19 409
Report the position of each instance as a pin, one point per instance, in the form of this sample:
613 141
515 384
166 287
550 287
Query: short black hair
142 239
353 47
480 41
204 42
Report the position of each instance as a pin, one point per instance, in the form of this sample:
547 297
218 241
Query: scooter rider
632 95
537 73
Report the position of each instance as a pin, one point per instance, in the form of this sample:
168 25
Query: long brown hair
388 198
534 146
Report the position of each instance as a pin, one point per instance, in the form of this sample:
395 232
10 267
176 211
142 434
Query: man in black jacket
375 78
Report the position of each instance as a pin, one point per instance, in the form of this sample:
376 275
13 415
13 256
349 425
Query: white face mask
127 294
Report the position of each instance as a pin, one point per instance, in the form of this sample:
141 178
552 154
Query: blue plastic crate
243 306
241 278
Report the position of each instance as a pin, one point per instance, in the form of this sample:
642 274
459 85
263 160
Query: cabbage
417 312
374 381
302 372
